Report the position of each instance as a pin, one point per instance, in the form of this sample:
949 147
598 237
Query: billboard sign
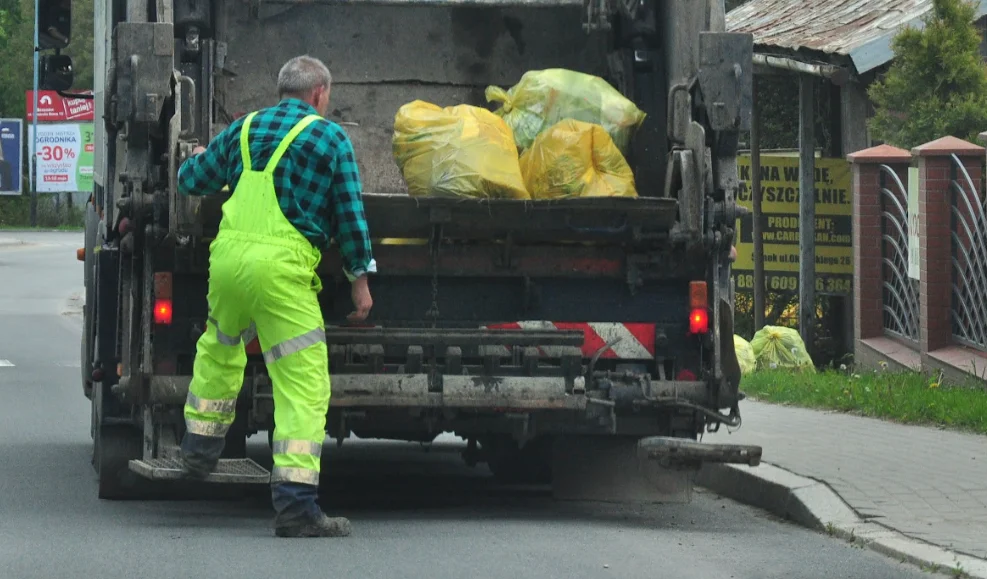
54 108
64 157
11 154
781 224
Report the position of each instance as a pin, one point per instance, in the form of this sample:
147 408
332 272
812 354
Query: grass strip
906 397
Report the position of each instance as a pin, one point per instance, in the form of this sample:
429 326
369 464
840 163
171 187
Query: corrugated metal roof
859 29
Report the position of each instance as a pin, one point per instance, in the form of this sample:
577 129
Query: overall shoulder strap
244 143
286 142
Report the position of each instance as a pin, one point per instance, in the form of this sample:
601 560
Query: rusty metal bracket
679 452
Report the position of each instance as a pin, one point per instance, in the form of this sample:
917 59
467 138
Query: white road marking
6 364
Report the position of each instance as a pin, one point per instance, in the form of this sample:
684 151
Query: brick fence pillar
936 171
868 265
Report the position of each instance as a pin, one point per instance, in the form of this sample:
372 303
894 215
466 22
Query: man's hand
198 149
360 292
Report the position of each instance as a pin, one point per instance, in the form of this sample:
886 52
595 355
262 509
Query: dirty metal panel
859 29
458 336
726 79
427 44
584 219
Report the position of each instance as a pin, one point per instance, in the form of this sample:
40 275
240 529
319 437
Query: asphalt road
414 513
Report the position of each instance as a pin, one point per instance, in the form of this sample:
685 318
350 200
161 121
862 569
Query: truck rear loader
585 343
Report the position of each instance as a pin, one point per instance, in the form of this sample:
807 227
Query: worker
295 187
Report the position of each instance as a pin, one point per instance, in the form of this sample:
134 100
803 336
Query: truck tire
113 448
512 464
114 445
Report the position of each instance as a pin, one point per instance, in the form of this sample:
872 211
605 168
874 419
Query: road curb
815 505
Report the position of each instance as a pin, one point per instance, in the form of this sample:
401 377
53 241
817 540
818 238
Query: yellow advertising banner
780 220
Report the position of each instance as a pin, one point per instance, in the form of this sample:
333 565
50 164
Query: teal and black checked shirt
317 180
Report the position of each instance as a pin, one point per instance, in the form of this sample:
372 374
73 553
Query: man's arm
349 226
206 171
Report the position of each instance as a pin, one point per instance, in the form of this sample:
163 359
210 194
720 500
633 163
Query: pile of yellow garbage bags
558 133
773 347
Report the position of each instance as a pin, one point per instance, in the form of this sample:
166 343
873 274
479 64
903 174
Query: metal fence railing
901 293
968 225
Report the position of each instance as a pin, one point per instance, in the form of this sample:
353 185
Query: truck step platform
229 470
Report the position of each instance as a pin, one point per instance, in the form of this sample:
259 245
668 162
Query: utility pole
807 211
758 228
34 119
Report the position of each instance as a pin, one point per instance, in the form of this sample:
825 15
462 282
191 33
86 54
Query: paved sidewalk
926 483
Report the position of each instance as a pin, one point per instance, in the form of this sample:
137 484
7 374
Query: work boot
195 468
199 455
318 526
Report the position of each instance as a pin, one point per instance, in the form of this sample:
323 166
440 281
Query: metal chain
433 311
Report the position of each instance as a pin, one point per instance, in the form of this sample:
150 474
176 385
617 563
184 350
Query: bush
53 211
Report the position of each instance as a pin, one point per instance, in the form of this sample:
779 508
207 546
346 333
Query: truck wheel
113 448
511 464
114 445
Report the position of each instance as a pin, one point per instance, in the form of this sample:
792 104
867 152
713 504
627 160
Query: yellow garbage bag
745 355
576 159
778 347
544 97
460 151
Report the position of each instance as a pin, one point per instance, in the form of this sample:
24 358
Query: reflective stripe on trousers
296 451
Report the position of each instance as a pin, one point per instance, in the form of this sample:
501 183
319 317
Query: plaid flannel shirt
317 181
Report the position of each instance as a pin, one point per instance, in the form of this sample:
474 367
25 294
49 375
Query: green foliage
10 15
905 397
937 85
54 210
17 39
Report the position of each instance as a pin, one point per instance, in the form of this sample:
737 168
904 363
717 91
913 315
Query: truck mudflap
630 470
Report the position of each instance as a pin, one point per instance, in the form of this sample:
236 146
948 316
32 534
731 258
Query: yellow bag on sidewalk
745 355
460 151
778 347
576 159
544 97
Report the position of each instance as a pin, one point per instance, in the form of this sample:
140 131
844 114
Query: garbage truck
581 343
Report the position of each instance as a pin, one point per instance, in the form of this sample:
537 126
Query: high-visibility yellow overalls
262 278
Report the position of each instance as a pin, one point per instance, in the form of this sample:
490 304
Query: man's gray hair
302 74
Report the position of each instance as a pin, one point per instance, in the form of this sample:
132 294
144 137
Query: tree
17 64
10 15
937 84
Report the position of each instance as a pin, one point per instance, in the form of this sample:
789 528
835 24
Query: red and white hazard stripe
637 341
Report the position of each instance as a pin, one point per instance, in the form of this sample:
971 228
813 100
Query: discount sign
64 157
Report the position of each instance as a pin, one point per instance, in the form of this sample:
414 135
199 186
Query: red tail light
686 375
699 321
162 297
162 311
